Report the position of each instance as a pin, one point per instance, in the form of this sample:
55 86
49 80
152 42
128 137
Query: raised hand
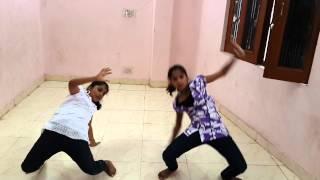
101 76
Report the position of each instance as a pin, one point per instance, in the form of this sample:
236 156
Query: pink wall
185 33
148 43
285 113
176 34
20 47
82 36
160 61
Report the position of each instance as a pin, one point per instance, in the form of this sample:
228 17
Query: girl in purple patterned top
206 126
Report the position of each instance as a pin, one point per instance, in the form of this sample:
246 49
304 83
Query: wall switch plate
128 13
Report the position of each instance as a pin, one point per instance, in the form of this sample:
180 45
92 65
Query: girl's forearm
212 77
90 134
74 83
176 130
79 81
177 127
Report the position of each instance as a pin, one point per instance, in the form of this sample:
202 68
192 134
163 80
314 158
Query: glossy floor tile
134 127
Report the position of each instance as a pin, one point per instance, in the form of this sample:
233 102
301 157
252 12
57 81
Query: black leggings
225 146
51 143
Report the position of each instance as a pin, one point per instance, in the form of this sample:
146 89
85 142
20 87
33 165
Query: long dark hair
176 67
98 83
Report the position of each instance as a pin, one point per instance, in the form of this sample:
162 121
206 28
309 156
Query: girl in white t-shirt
70 131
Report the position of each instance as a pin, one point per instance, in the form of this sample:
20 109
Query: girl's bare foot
110 169
164 174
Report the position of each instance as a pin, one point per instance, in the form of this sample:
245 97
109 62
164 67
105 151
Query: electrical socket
127 70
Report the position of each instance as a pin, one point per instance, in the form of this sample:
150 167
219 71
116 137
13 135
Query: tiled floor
134 127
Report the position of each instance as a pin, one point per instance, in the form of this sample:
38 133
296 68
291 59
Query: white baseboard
155 84
267 145
6 108
57 78
158 84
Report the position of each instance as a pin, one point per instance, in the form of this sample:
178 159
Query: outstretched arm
74 83
92 141
177 127
239 52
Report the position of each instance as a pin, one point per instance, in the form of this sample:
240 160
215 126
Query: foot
164 174
110 169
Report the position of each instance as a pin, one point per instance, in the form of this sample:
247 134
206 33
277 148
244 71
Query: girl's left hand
94 144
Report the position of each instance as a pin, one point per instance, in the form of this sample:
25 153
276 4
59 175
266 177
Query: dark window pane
251 23
236 19
297 33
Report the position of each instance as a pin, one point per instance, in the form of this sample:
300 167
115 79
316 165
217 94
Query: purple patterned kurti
203 114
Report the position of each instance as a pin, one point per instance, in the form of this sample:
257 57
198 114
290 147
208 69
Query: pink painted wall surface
160 62
80 37
20 47
287 114
94 33
185 33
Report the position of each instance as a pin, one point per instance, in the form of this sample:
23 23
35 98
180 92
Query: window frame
255 55
271 68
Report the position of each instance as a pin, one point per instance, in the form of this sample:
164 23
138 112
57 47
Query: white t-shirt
73 116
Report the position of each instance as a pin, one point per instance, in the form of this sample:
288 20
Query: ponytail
171 89
98 104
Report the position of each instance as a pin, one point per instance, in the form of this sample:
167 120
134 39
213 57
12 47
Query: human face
97 92
179 80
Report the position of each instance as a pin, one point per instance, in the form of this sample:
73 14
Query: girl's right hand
94 144
103 73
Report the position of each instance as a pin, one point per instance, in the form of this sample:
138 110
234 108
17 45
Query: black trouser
51 143
225 146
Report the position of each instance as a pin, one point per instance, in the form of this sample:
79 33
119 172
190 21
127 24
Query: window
281 35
